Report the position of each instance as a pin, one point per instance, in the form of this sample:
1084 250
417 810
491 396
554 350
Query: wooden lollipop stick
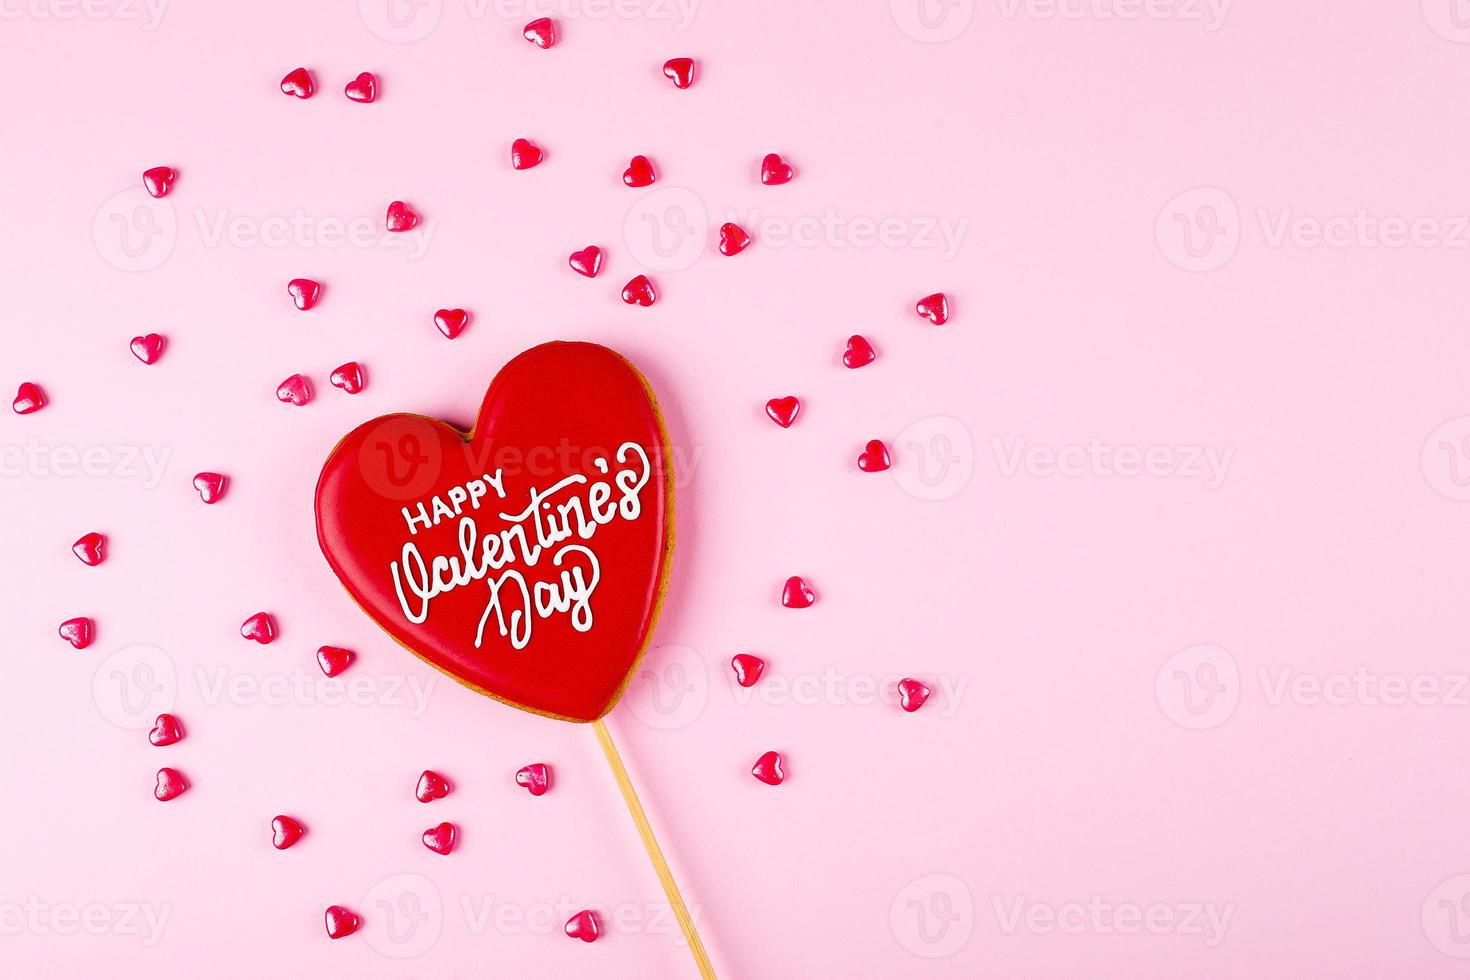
655 853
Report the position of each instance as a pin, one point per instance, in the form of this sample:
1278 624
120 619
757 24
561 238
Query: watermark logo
36 460
941 234
836 688
148 14
300 229
1450 19
932 21
311 688
134 685
1199 229
1199 687
666 230
670 689
134 232
1206 464
1445 917
933 916
36 917
1446 459
404 914
934 458
1210 13
400 21
1101 917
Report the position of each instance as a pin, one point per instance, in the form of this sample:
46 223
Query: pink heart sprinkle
934 308
524 154
774 170
158 181
639 172
873 458
334 660
285 831
401 217
783 411
304 292
587 261
170 784
584 926
639 292
78 632
912 694
748 668
536 778
441 839
295 390
769 769
261 628
28 398
432 786
733 239
363 88
796 594
349 377
451 323
541 32
166 731
680 71
298 83
211 486
91 548
148 348
341 922
859 352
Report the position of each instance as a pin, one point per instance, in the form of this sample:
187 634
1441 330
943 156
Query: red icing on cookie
526 558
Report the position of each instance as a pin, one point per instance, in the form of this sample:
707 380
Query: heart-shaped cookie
528 557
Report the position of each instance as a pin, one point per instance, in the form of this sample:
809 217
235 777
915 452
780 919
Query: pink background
1169 694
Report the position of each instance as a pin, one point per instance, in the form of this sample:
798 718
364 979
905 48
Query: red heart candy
524 154
431 786
451 323
441 839
733 239
584 926
541 32
28 398
401 217
341 922
536 778
166 731
147 348
783 411
912 694
769 769
639 172
349 377
639 292
796 594
587 261
78 632
304 292
934 308
285 831
680 71
774 170
363 88
158 181
211 486
295 389
170 784
261 628
404 498
334 660
91 548
299 84
859 352
748 668
874 458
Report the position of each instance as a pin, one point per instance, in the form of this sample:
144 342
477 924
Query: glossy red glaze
733 239
680 71
859 352
285 831
774 170
394 500
524 154
783 411
796 594
166 731
536 778
158 181
934 308
748 668
874 457
147 348
261 628
431 786
451 323
79 632
441 839
90 548
349 377
363 88
587 261
298 83
770 769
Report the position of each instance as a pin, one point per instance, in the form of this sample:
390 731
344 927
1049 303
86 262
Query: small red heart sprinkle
524 154
211 486
774 170
451 323
432 786
733 239
295 389
536 778
341 922
91 548
166 731
334 660
401 217
541 32
859 352
748 668
78 632
584 926
783 411
170 784
639 172
261 628
874 459
304 292
441 839
349 377
796 594
912 694
934 308
299 84
639 292
587 262
769 769
159 180
147 348
680 71
29 398
285 831
363 88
